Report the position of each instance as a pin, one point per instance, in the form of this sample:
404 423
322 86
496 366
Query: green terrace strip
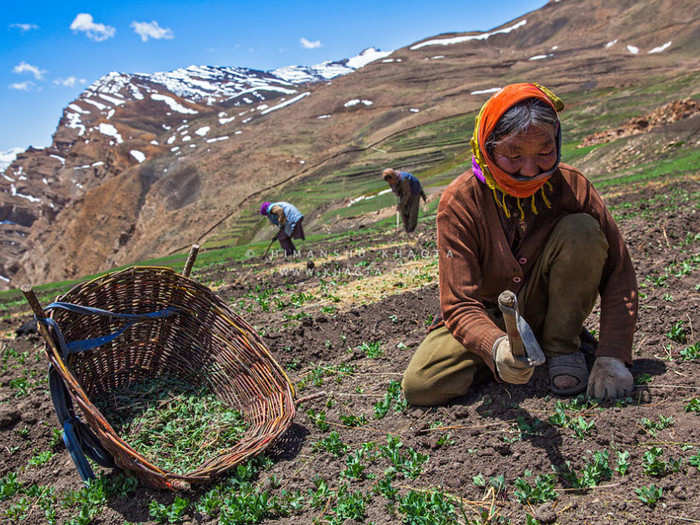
175 425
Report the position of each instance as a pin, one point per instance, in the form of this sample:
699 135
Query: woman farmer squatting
523 221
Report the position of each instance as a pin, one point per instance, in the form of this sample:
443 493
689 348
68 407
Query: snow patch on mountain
660 48
172 103
329 69
356 101
110 131
138 155
6 157
460 39
366 56
283 104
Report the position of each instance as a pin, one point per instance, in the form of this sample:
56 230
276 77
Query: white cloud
308 44
152 30
23 67
96 32
69 81
22 86
24 27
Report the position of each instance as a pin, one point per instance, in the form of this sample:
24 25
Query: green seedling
677 333
409 464
654 466
172 513
642 379
692 352
20 385
444 439
9 486
349 506
652 426
393 397
332 444
18 512
355 468
693 405
580 402
592 474
318 419
540 492
479 480
581 427
90 500
695 460
649 495
427 508
597 470
622 462
385 488
498 483
353 421
559 419
41 458
372 350
318 498
56 437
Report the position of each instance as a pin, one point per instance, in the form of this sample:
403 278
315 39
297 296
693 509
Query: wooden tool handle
508 304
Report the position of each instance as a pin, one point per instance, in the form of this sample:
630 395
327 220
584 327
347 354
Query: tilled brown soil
496 430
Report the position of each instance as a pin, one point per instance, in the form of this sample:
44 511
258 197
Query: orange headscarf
490 113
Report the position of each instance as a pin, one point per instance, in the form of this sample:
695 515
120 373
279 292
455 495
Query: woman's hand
610 379
509 368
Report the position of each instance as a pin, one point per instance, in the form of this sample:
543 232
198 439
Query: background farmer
289 221
409 192
522 221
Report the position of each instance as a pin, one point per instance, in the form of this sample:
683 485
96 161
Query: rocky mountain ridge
141 165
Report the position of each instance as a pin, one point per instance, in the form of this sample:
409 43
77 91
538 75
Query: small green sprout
649 495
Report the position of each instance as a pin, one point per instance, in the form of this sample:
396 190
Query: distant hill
141 165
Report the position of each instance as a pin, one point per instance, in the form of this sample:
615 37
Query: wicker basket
204 344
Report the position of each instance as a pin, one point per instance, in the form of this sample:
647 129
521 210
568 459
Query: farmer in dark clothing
289 221
409 191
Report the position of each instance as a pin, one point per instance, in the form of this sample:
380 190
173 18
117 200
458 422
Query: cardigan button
522 260
517 279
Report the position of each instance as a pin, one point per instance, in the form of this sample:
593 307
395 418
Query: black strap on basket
77 436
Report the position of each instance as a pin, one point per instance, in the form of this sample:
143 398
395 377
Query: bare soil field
344 329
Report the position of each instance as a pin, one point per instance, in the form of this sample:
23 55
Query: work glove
610 379
508 367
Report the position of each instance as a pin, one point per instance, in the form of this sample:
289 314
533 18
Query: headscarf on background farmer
483 251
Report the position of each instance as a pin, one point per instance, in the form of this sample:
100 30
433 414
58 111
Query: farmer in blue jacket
289 221
409 191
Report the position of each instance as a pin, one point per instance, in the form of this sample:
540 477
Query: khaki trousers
558 296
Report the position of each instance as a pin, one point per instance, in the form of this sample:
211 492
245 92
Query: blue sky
51 51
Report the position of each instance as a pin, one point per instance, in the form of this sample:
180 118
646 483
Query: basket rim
285 395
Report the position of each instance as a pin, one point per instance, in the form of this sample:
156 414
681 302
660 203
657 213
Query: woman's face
528 153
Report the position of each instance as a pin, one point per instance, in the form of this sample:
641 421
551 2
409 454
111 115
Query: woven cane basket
204 343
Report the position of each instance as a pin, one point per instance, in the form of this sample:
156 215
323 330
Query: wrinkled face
528 153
